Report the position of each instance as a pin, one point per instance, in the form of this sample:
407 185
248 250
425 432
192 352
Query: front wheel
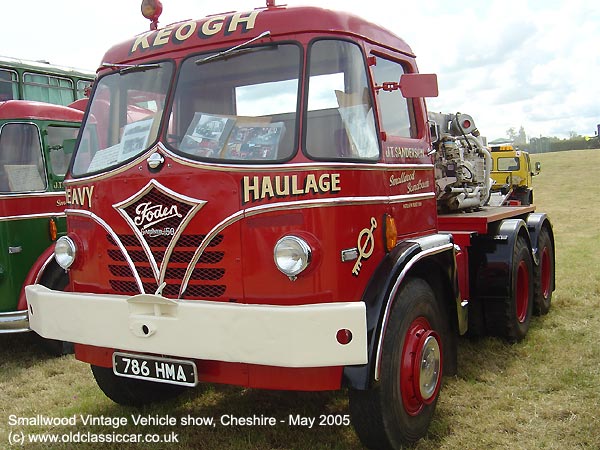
132 392
398 409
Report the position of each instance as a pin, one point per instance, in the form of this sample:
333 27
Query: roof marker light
151 10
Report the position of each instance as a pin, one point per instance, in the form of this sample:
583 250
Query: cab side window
340 122
21 163
55 138
395 110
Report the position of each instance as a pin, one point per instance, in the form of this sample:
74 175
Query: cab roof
25 109
218 30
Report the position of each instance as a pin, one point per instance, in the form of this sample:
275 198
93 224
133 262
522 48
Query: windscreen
508 164
124 117
239 106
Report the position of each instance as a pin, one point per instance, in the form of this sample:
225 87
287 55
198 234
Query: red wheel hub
421 366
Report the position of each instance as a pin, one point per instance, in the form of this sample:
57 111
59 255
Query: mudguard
494 258
535 223
382 289
43 263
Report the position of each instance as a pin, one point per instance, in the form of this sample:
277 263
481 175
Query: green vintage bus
41 81
36 141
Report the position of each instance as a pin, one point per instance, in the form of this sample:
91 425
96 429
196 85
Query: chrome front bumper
286 336
14 322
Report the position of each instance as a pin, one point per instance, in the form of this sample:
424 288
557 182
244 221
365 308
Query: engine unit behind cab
462 163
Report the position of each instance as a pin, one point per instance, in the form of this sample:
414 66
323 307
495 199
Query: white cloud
509 63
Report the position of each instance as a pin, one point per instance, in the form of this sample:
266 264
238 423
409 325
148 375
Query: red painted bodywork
282 22
26 109
80 104
464 226
249 275
51 203
34 275
242 252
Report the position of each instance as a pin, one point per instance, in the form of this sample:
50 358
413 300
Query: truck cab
513 174
254 199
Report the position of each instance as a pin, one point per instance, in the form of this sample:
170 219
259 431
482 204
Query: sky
508 63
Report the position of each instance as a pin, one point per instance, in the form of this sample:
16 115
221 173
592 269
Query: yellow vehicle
512 173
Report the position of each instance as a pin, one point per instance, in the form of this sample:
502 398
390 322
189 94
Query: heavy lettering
79 196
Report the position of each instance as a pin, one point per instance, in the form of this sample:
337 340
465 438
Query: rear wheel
132 392
525 196
511 316
398 409
544 274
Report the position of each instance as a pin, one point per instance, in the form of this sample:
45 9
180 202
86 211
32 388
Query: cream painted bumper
287 336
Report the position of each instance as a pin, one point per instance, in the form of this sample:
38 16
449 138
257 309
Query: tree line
545 144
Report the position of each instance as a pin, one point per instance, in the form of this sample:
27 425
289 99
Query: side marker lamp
52 229
391 233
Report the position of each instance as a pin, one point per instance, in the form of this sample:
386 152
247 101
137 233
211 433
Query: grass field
541 393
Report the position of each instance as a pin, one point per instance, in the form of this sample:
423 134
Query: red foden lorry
260 199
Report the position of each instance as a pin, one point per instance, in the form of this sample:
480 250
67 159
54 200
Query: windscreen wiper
232 50
127 68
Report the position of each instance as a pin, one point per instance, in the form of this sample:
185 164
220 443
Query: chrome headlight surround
65 251
292 255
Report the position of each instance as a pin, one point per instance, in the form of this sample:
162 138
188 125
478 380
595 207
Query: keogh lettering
182 32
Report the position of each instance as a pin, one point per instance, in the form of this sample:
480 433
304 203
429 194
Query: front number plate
163 370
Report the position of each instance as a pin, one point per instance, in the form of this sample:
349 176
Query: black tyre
510 317
57 279
398 409
133 392
543 274
525 197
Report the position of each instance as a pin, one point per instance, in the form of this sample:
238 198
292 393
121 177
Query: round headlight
292 255
64 252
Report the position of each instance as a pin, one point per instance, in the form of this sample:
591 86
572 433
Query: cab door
405 147
23 227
